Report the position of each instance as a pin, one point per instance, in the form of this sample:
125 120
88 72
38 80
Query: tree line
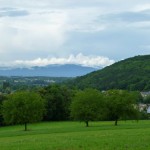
59 103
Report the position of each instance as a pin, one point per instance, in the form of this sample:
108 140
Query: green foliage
130 74
22 108
58 99
143 115
147 100
87 105
2 98
121 105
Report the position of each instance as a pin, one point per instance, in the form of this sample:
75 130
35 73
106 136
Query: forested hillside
131 74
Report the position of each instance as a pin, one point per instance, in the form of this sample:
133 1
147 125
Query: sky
93 33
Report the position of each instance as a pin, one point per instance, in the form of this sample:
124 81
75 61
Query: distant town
13 83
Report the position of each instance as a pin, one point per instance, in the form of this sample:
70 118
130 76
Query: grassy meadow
128 135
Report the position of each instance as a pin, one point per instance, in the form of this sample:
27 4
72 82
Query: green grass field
128 135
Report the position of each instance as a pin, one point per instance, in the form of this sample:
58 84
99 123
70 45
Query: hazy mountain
69 70
131 74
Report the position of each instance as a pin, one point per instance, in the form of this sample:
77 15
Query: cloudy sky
88 32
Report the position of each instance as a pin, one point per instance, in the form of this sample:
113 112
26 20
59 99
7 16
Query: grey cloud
64 27
12 12
126 17
134 17
115 43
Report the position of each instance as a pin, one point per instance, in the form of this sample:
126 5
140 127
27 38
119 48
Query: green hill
131 74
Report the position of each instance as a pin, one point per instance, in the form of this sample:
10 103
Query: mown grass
128 135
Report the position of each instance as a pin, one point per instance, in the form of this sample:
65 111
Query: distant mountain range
68 70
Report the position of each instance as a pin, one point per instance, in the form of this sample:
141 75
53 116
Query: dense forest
130 74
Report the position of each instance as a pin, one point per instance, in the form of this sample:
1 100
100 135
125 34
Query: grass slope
129 135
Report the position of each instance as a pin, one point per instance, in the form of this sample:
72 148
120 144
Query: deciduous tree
58 99
121 104
23 108
87 106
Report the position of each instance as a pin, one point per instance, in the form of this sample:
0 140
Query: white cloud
44 31
84 19
142 7
41 33
80 59
38 29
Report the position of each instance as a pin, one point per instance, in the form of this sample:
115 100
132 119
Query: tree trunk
87 123
116 122
25 125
